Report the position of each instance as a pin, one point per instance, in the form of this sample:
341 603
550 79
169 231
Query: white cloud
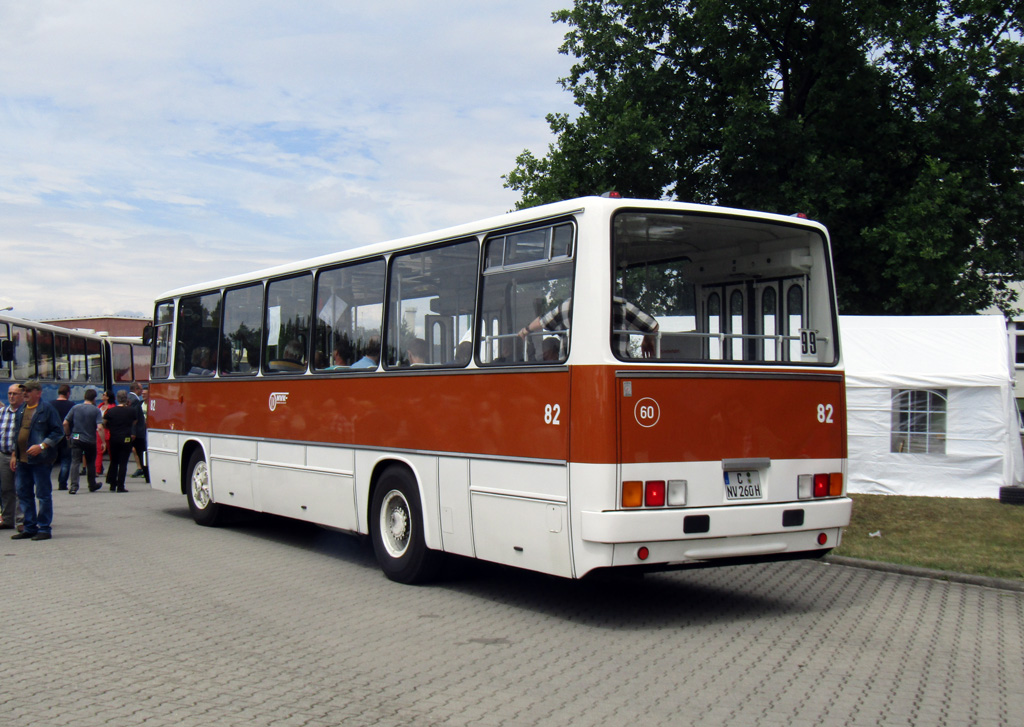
149 145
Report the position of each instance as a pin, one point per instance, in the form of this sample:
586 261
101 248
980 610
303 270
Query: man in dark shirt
120 421
63 406
137 401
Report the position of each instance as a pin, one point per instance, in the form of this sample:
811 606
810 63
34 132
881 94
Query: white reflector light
676 492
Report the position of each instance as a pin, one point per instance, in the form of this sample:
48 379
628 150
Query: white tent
960 440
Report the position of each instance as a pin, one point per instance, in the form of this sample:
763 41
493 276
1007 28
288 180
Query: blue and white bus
80 359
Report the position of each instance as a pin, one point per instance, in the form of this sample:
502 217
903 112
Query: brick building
111 325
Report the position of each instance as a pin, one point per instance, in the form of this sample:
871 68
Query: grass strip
975 536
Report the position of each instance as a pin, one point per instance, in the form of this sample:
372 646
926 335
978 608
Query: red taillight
654 493
820 485
822 538
642 552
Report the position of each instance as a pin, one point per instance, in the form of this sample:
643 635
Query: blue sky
148 145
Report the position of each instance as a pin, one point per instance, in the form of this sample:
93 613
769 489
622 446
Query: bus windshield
700 288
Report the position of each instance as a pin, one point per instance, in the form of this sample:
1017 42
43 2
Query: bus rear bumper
698 534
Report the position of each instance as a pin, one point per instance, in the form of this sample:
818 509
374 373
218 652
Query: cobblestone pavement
134 615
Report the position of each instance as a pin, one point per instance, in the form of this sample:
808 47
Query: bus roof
507 220
80 332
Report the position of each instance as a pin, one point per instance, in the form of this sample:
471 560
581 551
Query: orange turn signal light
632 493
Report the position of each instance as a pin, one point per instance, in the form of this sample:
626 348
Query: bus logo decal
278 397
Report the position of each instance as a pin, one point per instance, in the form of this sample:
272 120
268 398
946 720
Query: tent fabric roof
925 351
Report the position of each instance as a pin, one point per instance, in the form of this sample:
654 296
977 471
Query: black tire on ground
1011 495
396 529
200 496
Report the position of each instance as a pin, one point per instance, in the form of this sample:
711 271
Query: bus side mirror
147 335
6 350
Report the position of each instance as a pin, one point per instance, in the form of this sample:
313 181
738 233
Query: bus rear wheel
396 529
200 495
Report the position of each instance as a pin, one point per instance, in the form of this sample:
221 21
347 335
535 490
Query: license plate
742 485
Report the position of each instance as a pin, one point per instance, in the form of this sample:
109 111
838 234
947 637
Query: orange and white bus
596 383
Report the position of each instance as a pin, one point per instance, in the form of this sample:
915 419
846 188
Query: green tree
898 125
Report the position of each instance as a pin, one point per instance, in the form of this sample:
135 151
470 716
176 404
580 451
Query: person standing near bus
10 513
84 424
63 406
103 439
119 421
137 401
39 433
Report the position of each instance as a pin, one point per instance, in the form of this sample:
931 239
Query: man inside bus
417 352
551 348
341 355
371 359
293 358
625 317
202 362
39 432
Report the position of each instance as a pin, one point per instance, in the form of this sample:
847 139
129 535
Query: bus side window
243 323
44 354
94 361
349 313
527 275
433 293
163 320
198 330
24 349
6 352
121 363
287 324
62 357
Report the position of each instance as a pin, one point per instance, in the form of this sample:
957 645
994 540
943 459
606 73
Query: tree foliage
898 125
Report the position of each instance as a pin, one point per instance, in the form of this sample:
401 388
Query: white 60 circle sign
647 412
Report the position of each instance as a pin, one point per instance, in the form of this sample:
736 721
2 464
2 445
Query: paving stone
133 615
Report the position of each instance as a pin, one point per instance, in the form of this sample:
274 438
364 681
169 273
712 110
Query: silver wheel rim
395 521
201 485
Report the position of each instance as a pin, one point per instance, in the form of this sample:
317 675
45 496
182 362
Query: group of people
35 434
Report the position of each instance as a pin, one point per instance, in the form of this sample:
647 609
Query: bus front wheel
396 528
200 495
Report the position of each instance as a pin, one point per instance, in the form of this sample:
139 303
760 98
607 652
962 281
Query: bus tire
200 495
396 529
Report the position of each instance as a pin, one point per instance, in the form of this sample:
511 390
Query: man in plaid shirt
10 514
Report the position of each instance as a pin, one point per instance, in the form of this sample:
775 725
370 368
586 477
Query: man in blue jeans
39 432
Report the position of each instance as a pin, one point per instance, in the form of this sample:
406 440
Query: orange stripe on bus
580 415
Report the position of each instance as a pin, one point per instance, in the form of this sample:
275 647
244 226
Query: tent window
919 421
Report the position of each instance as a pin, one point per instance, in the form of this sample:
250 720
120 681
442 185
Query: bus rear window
708 288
